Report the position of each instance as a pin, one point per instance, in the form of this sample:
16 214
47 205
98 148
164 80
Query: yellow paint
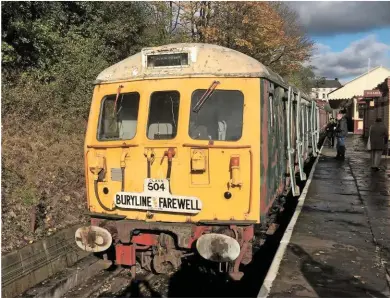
125 152
98 164
198 160
210 185
199 177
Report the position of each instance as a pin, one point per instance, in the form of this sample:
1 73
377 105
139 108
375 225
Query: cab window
163 115
118 120
220 118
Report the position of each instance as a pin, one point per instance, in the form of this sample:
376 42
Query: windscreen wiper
205 96
116 99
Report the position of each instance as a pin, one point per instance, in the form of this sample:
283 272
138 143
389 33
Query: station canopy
353 89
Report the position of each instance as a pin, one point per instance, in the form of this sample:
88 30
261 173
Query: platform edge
274 269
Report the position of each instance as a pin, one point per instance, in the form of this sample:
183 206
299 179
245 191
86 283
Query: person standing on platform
341 134
378 139
330 129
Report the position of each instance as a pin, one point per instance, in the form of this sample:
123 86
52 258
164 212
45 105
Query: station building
350 96
375 103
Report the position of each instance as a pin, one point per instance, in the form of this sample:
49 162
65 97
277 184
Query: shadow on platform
328 281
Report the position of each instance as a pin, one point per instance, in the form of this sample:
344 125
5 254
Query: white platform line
273 270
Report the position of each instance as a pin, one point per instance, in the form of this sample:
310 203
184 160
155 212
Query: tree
303 78
268 32
301 48
35 34
54 50
66 44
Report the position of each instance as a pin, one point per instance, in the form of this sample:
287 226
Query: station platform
340 244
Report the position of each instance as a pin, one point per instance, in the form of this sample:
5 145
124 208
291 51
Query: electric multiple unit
187 148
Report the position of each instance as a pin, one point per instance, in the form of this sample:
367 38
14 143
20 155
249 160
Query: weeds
43 168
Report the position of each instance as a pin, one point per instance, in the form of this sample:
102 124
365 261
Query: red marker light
234 162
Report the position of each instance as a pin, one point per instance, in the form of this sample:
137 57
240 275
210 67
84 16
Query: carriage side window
118 117
163 115
220 118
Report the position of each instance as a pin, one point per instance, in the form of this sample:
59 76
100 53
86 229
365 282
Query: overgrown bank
42 178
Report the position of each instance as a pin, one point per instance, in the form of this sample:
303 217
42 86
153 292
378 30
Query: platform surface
340 245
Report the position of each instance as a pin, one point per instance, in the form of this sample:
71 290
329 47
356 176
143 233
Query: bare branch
177 19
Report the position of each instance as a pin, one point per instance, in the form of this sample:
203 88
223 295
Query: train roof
188 60
205 60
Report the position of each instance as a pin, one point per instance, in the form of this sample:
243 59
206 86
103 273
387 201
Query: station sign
372 93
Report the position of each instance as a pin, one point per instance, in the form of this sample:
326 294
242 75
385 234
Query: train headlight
93 239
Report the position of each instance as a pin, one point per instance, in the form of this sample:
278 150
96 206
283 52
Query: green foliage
52 51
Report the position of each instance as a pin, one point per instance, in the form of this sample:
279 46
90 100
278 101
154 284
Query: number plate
156 185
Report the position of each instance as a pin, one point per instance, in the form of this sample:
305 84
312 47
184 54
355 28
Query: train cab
177 153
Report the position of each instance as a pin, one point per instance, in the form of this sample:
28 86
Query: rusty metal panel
273 136
144 239
125 254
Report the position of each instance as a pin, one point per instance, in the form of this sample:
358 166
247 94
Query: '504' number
156 186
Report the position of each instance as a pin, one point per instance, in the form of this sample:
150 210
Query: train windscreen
163 115
220 118
118 117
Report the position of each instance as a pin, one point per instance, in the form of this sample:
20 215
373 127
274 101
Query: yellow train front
186 151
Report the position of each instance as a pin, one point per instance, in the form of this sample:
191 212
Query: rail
32 264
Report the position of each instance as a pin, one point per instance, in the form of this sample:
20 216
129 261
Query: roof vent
336 79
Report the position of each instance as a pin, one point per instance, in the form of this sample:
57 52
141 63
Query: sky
346 35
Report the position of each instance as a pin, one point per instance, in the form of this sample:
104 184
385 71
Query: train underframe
161 247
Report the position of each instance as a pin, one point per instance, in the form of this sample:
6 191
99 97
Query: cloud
322 48
328 18
352 61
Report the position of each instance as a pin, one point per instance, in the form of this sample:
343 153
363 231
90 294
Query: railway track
118 282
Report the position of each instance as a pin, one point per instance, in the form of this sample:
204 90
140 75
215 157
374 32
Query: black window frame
101 113
217 90
183 56
178 115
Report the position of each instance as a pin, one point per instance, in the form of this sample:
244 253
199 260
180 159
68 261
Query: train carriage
187 148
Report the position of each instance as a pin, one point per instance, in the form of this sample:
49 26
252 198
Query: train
187 148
